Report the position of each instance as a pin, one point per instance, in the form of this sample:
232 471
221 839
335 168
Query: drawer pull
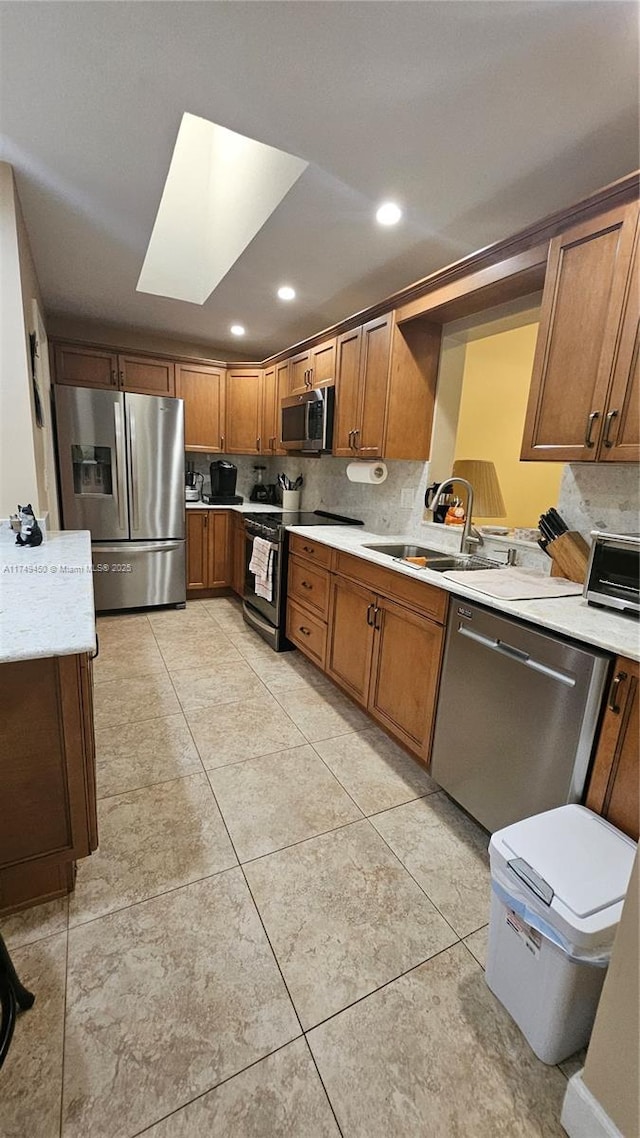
588 441
304 631
308 549
306 585
612 705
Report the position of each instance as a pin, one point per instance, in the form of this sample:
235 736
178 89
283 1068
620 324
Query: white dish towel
261 565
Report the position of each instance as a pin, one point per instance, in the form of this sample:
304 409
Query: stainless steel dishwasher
516 716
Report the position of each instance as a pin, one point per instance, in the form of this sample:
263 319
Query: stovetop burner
276 523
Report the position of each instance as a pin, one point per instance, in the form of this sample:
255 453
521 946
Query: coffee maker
260 491
223 484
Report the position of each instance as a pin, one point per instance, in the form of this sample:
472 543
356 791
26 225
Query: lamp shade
487 495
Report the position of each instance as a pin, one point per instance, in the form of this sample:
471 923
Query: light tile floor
283 932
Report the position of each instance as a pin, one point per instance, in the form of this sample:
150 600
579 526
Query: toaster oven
613 574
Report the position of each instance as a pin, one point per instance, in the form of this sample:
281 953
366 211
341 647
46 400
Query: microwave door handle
307 419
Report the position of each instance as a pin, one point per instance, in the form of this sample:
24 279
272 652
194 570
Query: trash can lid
585 860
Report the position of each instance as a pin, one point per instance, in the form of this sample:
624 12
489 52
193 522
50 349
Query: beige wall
64 327
495 388
19 475
612 1067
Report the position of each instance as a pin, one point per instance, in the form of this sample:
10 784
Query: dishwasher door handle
516 654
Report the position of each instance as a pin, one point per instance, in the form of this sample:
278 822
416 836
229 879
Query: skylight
220 190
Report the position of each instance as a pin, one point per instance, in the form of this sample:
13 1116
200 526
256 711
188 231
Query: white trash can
558 883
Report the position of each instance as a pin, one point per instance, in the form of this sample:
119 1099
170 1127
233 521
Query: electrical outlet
406 498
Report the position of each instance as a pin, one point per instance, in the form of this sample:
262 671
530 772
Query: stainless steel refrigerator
121 467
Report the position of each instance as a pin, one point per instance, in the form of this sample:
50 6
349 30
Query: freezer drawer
516 716
138 574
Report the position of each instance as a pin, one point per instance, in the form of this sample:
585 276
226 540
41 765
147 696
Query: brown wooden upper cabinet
315 367
85 367
94 367
203 391
585 372
244 412
275 385
361 389
386 377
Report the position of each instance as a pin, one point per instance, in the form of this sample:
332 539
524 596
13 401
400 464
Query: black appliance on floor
269 617
223 477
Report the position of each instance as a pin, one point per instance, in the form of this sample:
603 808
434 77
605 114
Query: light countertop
571 616
46 596
239 508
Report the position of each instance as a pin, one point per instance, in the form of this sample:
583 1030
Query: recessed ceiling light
237 330
388 214
285 292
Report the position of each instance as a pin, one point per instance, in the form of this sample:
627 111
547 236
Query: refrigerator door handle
133 450
137 547
121 486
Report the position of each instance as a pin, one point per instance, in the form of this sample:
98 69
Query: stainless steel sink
436 559
404 551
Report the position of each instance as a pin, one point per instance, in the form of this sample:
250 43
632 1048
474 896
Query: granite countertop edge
569 616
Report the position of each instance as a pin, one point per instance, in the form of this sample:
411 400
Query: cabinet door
84 367
621 435
614 786
299 373
582 303
219 549
146 376
203 391
244 411
323 363
374 382
238 553
282 390
350 637
46 771
404 675
347 392
197 549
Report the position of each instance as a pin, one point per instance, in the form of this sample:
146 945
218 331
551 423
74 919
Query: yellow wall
495 387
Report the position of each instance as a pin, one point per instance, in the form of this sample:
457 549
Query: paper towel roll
372 472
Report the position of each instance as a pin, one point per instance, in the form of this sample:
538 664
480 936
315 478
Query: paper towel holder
371 472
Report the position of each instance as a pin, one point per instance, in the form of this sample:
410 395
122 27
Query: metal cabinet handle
258 444
613 691
588 441
121 378
376 613
370 616
308 549
272 442
306 585
304 631
221 442
206 521
114 377
356 434
608 442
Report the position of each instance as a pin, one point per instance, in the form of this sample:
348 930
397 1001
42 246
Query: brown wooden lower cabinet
208 550
387 657
614 785
47 775
238 544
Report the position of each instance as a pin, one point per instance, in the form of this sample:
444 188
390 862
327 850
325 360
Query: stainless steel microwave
307 420
613 575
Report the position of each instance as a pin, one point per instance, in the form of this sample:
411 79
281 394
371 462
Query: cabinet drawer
312 550
417 595
309 586
307 632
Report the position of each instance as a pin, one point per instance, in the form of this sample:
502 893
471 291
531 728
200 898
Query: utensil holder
290 499
570 554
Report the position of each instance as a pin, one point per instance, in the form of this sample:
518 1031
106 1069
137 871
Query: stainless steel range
268 617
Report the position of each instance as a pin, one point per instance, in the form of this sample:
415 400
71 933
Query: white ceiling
478 116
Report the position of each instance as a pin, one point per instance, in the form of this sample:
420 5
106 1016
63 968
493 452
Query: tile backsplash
592 496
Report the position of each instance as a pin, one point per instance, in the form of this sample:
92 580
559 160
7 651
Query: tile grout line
64 1024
